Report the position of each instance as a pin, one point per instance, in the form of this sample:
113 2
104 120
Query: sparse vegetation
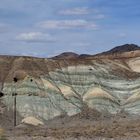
2 134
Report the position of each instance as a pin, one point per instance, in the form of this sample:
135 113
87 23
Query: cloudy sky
46 28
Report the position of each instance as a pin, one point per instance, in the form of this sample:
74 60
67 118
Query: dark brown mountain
66 55
123 48
123 51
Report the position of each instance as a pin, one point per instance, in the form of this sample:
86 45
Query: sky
45 28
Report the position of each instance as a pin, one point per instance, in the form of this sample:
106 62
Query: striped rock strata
47 88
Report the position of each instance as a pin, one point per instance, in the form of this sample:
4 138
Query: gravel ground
72 138
79 127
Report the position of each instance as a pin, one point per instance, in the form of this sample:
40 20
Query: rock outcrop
47 88
32 121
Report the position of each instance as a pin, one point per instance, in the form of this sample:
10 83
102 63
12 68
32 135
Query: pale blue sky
46 28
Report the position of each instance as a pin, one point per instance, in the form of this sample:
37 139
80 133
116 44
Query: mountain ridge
126 48
72 55
123 48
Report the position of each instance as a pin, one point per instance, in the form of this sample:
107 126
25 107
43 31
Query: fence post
15 102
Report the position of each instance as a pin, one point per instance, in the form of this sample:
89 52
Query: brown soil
80 127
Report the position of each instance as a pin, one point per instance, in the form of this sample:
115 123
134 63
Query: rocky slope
46 88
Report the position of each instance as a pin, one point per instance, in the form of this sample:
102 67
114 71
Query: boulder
32 121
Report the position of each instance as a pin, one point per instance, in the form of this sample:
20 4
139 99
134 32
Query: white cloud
82 11
37 37
29 54
68 24
75 11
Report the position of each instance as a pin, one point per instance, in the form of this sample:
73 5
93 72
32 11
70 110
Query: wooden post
15 110
15 103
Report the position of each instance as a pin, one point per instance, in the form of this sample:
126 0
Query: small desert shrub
2 137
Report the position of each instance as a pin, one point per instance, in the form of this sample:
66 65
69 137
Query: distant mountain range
115 50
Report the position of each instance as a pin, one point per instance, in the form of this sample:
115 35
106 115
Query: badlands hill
70 83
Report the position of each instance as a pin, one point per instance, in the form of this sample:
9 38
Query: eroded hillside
47 88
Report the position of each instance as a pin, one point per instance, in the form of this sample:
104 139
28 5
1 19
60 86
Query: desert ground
88 125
